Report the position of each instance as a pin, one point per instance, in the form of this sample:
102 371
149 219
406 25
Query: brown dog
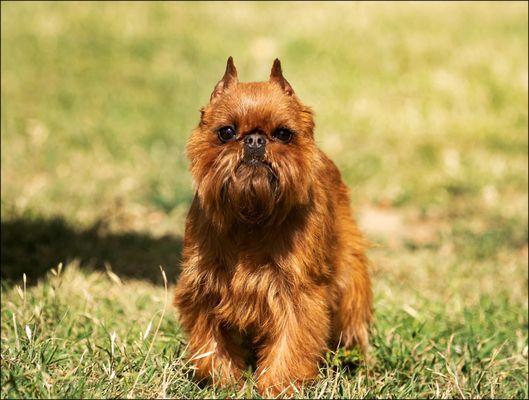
272 253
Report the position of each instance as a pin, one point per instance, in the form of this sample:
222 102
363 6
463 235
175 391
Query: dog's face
252 153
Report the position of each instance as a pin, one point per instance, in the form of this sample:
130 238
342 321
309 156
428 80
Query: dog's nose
255 141
254 146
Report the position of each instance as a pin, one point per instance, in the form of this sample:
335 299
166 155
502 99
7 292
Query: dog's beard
252 192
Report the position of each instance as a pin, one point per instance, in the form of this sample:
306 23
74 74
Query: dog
274 265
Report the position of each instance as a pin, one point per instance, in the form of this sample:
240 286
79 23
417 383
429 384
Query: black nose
254 146
254 141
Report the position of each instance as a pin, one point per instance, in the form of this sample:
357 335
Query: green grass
422 106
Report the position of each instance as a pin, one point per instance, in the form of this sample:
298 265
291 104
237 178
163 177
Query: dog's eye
283 134
226 133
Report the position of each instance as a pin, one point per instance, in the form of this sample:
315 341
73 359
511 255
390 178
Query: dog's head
252 153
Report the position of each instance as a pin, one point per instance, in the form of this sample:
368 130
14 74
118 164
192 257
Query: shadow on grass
34 246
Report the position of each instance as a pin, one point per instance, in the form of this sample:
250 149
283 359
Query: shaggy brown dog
271 252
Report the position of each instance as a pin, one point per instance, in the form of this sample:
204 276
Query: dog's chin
252 192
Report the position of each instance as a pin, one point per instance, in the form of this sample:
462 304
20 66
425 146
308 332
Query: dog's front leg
211 353
210 349
295 344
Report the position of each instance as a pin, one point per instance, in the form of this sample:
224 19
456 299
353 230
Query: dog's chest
251 295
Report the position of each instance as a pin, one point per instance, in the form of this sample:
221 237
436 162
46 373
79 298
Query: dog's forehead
261 103
258 92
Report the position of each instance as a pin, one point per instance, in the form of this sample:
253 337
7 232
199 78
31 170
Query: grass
422 106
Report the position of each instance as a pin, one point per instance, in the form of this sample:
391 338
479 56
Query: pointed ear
276 75
229 78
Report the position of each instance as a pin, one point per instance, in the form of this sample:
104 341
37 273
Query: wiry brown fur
271 251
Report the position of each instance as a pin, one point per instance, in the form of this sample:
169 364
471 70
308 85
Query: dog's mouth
252 191
255 162
257 168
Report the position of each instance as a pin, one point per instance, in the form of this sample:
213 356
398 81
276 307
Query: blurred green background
423 107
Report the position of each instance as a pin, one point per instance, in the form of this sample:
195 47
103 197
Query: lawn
423 107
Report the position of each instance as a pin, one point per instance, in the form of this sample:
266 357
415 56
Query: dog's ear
229 78
276 76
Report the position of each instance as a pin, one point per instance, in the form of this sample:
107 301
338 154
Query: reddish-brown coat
270 251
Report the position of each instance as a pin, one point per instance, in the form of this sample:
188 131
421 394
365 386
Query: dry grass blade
166 302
